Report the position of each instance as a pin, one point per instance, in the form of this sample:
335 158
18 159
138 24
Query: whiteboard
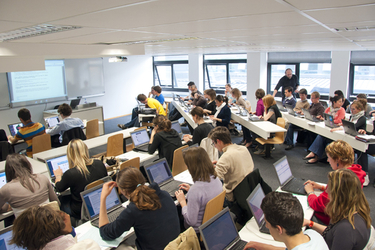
84 77
4 93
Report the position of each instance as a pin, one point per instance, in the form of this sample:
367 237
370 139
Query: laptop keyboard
171 187
240 245
111 216
294 185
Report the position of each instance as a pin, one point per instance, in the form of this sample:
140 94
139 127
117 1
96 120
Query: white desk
144 156
91 143
261 128
185 113
38 167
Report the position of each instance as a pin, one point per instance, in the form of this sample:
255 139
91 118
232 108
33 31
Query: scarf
218 109
354 118
333 111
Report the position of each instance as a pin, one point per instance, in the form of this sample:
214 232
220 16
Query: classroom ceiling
154 27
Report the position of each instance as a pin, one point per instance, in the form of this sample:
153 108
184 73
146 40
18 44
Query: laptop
5 237
254 118
91 202
176 126
254 201
3 179
287 181
349 128
324 103
328 121
56 162
74 103
140 140
291 111
310 117
281 106
159 172
13 128
51 121
220 232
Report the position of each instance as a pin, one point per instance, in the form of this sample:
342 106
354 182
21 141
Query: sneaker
122 126
367 181
289 147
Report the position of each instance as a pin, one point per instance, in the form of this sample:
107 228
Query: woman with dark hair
82 171
198 100
41 227
151 211
210 94
23 188
164 139
201 131
223 113
350 224
206 186
259 94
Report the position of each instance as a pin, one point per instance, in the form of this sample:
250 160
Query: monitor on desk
13 128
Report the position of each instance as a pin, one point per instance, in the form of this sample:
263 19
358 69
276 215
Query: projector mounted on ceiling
118 59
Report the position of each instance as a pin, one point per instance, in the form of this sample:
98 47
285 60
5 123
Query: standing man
288 80
28 131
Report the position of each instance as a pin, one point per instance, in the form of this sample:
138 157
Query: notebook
310 117
51 121
91 202
254 201
328 121
3 179
55 163
140 140
159 172
13 128
287 181
349 128
176 126
281 106
220 232
5 237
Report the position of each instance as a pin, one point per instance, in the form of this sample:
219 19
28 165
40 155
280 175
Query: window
363 79
171 72
225 68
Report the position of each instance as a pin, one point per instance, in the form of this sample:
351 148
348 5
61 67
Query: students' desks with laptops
91 143
261 128
186 114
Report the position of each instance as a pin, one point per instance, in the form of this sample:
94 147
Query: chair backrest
115 145
280 122
41 143
92 128
186 240
74 133
213 207
178 164
94 184
5 149
135 162
212 152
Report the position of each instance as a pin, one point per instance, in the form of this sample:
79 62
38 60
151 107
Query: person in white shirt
283 214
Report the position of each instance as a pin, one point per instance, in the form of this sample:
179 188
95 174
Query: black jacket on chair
5 149
240 207
74 133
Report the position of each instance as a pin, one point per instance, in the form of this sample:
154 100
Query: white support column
196 70
340 67
256 74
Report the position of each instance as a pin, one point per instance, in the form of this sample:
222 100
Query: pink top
260 108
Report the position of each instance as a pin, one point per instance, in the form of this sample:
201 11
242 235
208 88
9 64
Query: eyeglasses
213 144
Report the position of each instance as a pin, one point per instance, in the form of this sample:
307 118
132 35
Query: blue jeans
289 138
134 121
319 145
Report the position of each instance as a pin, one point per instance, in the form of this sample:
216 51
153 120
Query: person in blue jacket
223 113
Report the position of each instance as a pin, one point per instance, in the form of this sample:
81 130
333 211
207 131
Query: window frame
170 63
352 95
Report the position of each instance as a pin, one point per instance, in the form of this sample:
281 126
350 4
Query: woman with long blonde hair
82 171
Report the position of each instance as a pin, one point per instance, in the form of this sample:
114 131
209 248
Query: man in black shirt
288 80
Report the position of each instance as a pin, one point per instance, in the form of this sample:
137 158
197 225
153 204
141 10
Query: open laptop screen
92 200
220 233
159 172
283 170
3 180
55 163
5 237
52 121
176 126
140 137
255 201
13 128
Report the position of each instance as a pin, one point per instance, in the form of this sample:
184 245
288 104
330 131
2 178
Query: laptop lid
219 232
3 179
13 128
280 104
91 200
51 121
55 163
74 103
328 120
290 109
254 201
176 126
349 127
324 103
283 172
159 172
140 137
307 114
5 237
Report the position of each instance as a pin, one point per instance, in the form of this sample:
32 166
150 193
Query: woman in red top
340 155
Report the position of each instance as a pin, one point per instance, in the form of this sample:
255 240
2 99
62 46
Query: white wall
256 75
196 70
340 66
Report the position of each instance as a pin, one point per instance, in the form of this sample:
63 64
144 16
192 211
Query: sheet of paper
93 233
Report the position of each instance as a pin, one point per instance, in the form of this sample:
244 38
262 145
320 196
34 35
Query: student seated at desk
66 124
28 131
367 108
283 214
201 131
289 97
320 142
228 94
156 94
340 156
164 139
362 157
223 114
47 229
82 171
23 188
350 224
198 100
345 102
206 187
210 108
151 212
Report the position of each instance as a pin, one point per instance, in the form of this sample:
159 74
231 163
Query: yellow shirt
155 104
